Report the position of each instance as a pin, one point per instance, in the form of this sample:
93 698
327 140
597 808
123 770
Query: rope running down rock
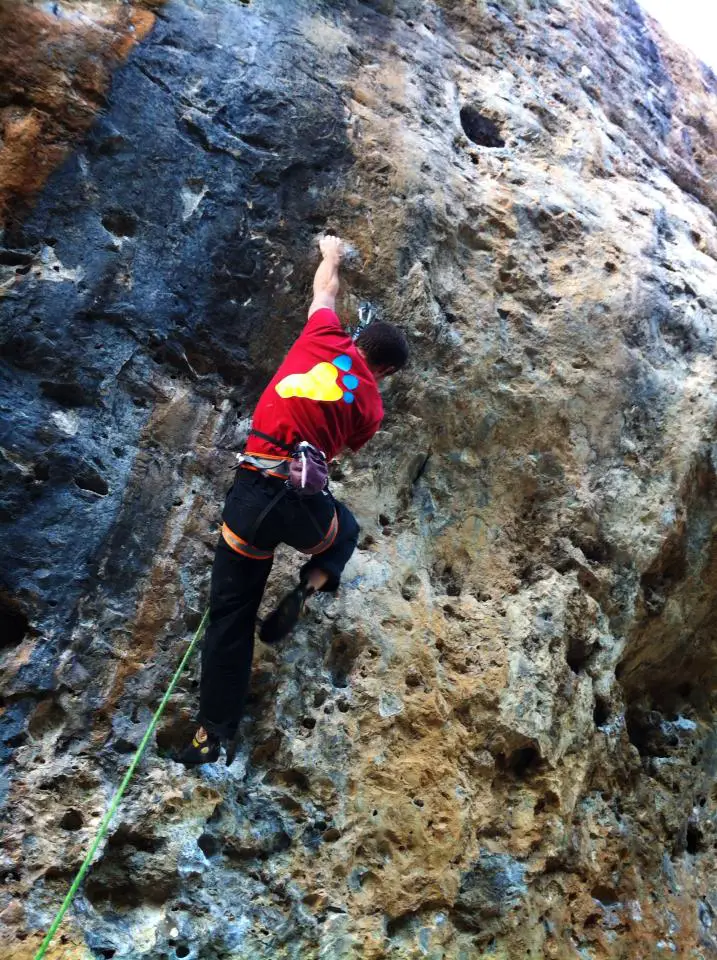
112 809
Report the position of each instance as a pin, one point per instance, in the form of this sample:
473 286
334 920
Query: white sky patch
692 23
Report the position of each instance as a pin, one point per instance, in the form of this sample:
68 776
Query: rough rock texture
55 65
499 738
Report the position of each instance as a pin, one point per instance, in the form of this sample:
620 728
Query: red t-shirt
323 392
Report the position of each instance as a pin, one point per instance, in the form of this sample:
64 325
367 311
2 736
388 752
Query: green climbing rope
102 829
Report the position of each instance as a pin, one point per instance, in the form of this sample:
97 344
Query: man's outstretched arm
326 281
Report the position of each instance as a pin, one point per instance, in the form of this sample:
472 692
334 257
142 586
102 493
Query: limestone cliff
499 738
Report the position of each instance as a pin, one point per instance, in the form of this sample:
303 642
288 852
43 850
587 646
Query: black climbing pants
238 580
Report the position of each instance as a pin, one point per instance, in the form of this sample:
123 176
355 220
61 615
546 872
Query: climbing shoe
200 751
282 621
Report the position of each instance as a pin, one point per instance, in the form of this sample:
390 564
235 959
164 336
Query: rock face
499 738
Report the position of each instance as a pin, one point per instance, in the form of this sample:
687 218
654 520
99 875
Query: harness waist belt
273 468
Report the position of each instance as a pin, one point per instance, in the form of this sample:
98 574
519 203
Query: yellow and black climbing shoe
200 751
282 621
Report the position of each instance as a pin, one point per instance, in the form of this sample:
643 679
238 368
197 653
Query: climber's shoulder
322 318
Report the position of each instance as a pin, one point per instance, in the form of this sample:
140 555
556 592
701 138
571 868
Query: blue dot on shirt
350 381
343 362
349 397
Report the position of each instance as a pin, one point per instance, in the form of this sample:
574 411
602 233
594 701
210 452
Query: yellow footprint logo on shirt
321 382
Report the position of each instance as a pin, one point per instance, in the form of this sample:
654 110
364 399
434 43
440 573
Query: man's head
383 347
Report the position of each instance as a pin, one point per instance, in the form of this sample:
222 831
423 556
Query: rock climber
324 398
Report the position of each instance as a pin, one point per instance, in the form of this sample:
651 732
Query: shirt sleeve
322 319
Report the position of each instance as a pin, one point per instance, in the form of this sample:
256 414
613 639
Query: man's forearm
326 280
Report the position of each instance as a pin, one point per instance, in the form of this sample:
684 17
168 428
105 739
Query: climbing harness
305 473
119 793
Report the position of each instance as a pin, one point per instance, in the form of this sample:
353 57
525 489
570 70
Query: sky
693 23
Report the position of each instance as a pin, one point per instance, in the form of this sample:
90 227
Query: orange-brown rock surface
56 62
499 739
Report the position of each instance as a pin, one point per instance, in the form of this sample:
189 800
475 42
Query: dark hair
383 345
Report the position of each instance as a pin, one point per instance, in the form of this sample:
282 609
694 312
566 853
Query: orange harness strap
281 472
328 539
238 545
241 546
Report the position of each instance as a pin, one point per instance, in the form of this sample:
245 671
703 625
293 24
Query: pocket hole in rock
72 820
119 223
695 840
89 480
521 762
606 895
446 579
13 258
182 951
411 587
481 130
14 625
579 651
66 393
208 845
341 657
41 471
295 778
601 712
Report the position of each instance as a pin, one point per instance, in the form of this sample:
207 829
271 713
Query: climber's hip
260 512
